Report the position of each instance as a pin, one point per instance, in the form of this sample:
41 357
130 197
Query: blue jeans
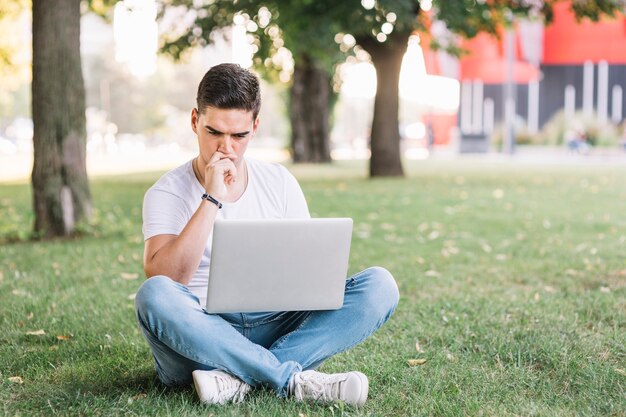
259 348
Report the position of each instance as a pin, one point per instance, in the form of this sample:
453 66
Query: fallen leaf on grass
388 227
431 273
605 290
131 296
64 337
620 371
129 275
418 348
416 362
16 379
39 332
451 357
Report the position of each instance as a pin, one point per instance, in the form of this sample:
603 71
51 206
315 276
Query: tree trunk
385 141
309 112
61 195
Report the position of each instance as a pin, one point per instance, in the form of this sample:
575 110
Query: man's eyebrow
212 129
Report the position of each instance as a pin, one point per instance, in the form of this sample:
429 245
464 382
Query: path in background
18 167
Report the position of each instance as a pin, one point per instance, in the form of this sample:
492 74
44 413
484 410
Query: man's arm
178 257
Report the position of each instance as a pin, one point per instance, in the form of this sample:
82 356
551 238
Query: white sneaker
350 387
217 387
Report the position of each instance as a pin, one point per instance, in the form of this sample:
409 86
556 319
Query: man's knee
382 290
153 293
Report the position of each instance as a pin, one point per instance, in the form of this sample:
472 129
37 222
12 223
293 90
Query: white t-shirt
272 193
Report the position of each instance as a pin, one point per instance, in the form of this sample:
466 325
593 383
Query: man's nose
226 144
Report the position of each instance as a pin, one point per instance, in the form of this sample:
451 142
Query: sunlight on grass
512 281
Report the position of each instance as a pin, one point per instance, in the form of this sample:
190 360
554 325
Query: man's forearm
180 257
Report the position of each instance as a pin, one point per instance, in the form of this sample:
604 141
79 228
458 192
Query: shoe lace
319 387
231 388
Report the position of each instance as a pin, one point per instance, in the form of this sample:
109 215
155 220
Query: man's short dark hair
228 86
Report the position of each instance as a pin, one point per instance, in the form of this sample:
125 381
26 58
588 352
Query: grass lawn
512 282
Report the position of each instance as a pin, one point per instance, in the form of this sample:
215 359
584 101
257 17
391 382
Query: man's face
223 130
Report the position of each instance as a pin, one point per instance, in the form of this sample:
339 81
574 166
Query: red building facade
568 65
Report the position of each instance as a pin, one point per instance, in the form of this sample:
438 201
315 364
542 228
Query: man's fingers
215 157
227 168
218 156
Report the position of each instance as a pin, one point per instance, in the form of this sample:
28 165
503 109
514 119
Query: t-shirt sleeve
163 213
295 203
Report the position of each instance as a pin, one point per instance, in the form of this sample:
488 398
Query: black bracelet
207 197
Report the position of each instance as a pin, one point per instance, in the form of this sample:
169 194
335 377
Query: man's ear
255 126
194 120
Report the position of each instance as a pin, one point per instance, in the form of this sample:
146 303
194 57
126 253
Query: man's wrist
211 199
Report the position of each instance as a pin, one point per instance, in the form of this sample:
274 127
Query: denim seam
266 321
363 336
286 337
157 367
184 351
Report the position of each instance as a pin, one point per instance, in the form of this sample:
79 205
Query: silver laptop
278 265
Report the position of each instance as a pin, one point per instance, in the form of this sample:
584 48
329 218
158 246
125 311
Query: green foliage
595 10
102 8
307 27
14 61
303 27
511 277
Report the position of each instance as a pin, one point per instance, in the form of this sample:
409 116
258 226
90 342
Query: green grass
512 281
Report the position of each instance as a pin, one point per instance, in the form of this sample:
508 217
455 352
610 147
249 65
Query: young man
228 354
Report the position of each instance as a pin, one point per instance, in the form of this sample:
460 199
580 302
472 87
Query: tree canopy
328 30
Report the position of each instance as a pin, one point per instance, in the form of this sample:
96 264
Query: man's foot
217 387
350 387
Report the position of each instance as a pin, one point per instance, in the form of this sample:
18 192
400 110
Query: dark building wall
557 77
552 92
496 93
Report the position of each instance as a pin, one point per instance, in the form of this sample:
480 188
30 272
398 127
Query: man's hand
220 173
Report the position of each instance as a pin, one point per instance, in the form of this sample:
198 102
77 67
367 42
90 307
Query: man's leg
370 299
184 337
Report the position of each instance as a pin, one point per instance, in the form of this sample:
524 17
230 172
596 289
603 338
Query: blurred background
512 84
